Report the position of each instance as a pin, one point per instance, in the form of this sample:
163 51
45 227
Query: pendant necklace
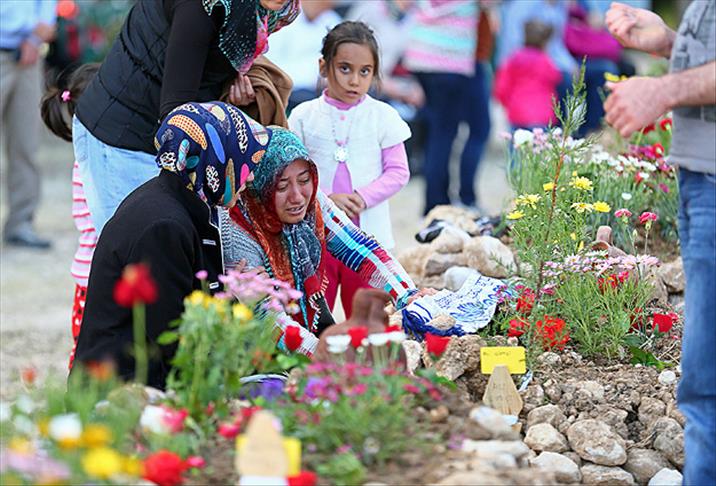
340 154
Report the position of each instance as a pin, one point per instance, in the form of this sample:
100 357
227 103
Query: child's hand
351 204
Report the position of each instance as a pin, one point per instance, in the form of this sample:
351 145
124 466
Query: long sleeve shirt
18 18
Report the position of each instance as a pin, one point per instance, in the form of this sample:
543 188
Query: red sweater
525 85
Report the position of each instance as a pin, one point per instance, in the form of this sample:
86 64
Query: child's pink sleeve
394 177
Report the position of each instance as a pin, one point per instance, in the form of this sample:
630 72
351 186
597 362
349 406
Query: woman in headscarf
168 52
285 224
205 151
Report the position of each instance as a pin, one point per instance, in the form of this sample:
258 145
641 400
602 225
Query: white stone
666 477
546 414
667 378
493 423
544 437
643 464
595 474
669 439
596 442
515 448
456 276
413 350
565 470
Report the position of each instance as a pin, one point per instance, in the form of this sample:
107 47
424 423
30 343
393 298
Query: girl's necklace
340 154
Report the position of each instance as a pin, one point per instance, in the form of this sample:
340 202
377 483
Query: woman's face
274 5
293 192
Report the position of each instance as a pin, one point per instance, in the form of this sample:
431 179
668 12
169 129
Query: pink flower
196 462
664 188
228 431
201 274
622 213
174 419
412 389
359 389
647 216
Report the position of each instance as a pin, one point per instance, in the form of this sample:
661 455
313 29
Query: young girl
356 142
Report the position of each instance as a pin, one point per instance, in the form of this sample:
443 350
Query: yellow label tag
511 356
291 445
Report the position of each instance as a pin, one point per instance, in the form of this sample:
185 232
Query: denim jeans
450 99
108 173
697 389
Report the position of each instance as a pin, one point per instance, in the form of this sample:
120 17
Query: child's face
350 73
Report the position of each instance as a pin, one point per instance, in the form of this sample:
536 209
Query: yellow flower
515 215
583 207
133 466
21 445
581 246
581 183
548 186
96 435
102 463
43 427
574 173
573 236
528 200
613 78
241 312
602 207
196 297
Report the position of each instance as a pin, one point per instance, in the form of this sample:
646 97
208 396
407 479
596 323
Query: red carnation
136 286
304 478
647 129
164 468
293 338
526 301
552 331
517 327
663 322
658 149
358 334
665 124
436 345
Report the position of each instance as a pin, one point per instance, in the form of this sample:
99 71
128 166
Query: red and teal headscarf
213 147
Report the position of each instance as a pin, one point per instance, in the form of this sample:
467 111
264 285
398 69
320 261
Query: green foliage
344 468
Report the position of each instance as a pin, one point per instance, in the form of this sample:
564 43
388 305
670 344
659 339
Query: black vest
121 104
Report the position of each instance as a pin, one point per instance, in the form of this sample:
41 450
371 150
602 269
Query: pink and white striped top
80 268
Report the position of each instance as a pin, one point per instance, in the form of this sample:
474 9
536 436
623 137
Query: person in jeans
24 27
689 90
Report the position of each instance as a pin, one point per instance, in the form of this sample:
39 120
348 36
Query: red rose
136 286
293 338
358 334
663 322
436 345
304 478
164 468
517 327
526 301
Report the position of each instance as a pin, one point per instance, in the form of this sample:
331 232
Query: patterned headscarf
244 35
212 146
295 252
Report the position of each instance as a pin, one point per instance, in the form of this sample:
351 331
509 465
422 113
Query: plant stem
141 368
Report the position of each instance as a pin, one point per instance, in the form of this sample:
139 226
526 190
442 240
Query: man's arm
638 101
640 29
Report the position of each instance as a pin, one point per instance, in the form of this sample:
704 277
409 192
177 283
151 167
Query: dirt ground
36 288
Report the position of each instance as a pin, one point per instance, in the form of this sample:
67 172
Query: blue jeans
108 173
697 389
450 99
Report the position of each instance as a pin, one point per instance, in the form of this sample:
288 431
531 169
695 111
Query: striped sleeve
363 254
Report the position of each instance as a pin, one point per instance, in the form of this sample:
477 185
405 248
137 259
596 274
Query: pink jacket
525 85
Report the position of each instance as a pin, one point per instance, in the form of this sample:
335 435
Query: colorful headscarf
212 146
295 252
244 35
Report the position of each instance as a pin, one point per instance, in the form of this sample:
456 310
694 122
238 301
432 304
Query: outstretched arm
636 102
640 29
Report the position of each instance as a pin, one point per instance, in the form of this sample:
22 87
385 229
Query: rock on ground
643 464
669 440
489 256
544 437
666 477
595 474
546 414
564 469
596 442
672 274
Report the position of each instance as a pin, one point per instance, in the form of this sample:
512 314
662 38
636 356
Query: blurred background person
25 28
527 81
296 48
441 52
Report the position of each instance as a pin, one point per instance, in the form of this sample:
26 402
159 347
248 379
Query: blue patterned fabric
213 147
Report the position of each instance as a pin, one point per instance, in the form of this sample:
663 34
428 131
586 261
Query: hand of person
421 293
241 267
29 54
351 204
637 28
44 32
241 93
414 95
634 103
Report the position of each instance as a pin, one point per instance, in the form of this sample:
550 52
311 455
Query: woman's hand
351 204
241 93
241 267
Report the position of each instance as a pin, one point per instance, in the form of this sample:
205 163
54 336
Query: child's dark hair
355 33
61 98
537 34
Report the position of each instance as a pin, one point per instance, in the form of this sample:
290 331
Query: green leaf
168 337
